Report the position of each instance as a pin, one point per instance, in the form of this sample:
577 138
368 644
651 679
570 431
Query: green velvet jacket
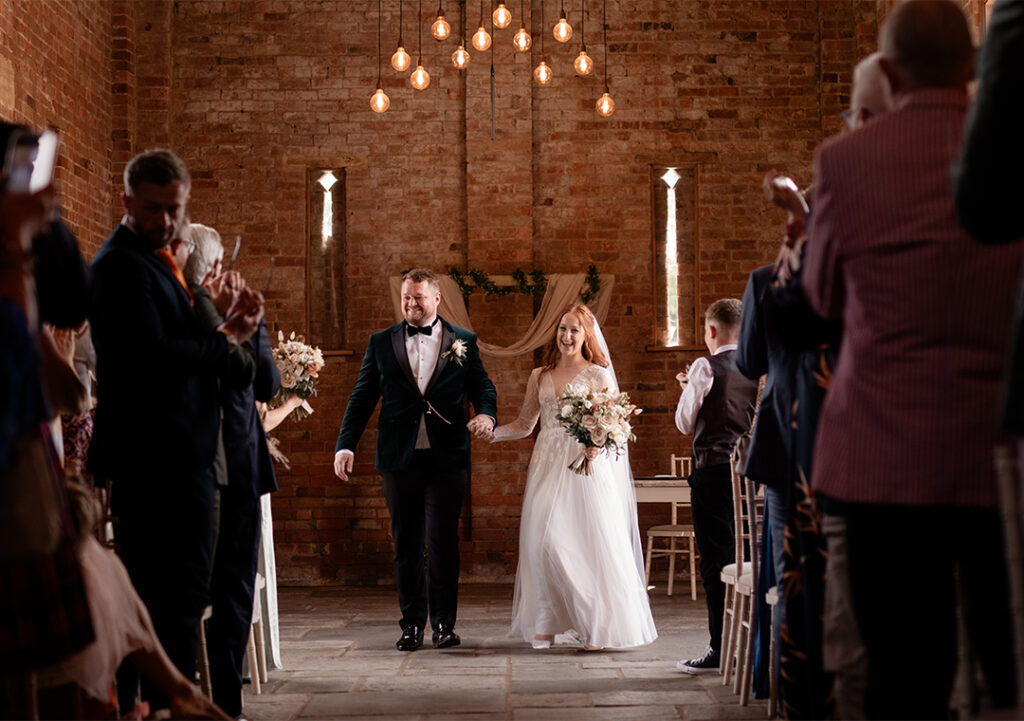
386 376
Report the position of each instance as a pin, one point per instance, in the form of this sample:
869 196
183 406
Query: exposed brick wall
252 93
255 92
55 70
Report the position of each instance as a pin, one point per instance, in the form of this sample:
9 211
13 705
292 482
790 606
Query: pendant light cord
419 26
604 31
379 2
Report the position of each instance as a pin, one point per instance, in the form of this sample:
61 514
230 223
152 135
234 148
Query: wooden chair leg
647 560
747 658
261 651
254 664
739 611
671 564
727 615
693 572
204 658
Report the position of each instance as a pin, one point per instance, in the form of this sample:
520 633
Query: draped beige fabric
562 290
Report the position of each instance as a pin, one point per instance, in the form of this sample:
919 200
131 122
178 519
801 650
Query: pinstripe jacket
911 414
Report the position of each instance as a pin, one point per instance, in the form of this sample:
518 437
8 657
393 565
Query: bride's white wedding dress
580 564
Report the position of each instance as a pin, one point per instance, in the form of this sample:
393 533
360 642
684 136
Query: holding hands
481 426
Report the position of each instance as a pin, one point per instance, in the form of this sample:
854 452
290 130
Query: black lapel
447 336
401 355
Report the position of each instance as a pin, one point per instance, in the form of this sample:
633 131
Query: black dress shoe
412 638
445 636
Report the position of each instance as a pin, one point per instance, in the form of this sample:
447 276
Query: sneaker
705 664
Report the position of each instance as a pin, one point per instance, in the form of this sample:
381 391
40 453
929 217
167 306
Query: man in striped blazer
904 454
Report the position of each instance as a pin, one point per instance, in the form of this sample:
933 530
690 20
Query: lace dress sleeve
522 426
600 379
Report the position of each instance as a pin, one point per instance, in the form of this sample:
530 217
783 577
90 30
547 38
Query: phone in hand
30 161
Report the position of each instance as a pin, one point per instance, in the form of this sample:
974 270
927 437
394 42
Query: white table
661 489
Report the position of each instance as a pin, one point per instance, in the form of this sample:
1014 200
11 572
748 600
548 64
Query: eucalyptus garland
534 282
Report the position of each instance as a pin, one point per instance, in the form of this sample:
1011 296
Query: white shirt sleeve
700 380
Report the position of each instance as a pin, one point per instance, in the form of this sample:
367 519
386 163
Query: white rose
566 410
599 437
589 422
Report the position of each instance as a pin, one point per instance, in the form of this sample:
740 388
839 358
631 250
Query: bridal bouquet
299 365
597 420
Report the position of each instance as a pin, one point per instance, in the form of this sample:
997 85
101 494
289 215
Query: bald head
927 44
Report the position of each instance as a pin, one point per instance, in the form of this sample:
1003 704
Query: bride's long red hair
591 348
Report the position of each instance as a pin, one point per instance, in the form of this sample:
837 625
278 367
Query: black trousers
903 562
164 532
426 500
713 524
231 592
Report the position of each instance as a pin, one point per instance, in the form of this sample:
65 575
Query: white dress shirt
423 351
700 379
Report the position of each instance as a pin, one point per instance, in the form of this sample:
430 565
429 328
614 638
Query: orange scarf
165 256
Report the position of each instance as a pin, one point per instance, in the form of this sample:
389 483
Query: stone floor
340 663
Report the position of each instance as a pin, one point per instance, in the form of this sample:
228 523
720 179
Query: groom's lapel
447 336
398 345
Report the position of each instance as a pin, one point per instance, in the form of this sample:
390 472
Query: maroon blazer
911 415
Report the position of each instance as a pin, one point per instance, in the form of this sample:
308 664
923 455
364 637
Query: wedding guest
422 369
717 407
250 474
81 683
926 314
988 181
590 526
784 338
44 614
157 417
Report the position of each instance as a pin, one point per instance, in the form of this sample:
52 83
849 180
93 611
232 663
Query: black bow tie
413 329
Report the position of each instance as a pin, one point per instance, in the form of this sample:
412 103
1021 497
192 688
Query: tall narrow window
325 258
675 250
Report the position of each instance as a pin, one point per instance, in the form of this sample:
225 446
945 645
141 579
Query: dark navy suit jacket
250 467
156 368
761 351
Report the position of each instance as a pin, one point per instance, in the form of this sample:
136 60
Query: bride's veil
621 469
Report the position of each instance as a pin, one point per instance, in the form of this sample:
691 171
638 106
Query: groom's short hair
418 275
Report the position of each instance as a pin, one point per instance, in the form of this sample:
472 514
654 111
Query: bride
580 566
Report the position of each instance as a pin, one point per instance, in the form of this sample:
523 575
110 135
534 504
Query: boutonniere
456 351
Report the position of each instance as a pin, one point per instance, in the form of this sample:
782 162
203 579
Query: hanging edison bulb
562 30
481 38
420 78
460 58
501 16
542 73
522 40
440 29
605 105
583 63
380 102
401 61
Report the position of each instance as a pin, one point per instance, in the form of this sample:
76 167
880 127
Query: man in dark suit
249 472
157 418
988 182
421 370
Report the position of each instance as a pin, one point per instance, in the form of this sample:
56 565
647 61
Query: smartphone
30 161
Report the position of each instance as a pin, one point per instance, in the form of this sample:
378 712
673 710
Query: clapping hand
244 317
782 191
481 426
224 289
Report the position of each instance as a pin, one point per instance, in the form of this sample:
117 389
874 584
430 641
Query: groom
423 369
